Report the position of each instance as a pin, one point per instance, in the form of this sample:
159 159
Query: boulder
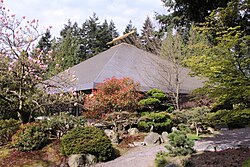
133 131
152 139
113 136
78 160
164 137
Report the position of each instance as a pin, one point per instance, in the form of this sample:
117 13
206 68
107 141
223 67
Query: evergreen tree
149 39
132 39
113 30
45 42
67 48
182 13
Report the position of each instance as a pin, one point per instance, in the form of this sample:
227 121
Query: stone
90 159
222 127
113 136
138 144
210 130
133 131
164 137
76 160
81 160
174 129
152 139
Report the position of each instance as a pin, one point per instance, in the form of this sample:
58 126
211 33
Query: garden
38 126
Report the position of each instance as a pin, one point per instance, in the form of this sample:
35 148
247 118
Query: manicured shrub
8 128
179 143
149 102
155 100
87 140
31 136
60 125
160 121
113 95
153 91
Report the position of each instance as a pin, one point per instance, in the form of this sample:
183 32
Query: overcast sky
56 13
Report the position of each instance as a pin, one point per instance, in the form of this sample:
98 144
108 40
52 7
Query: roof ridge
106 65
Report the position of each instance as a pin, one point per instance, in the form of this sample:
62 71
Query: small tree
113 95
155 98
180 144
23 68
172 52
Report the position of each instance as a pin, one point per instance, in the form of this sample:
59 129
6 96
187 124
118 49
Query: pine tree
132 39
150 41
113 30
45 43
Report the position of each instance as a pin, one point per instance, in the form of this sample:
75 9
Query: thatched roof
125 60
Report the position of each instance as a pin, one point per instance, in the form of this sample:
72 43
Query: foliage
149 102
78 43
23 68
151 92
150 41
223 60
159 121
233 118
113 95
192 117
60 125
87 140
160 160
120 120
31 136
45 42
8 128
132 39
155 98
181 13
246 163
179 143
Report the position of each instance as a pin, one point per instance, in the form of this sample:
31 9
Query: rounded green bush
89 140
160 121
8 128
31 136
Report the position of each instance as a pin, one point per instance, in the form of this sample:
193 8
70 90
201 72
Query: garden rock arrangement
152 139
77 160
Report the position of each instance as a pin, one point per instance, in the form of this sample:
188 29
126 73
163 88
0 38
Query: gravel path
144 156
137 157
235 138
